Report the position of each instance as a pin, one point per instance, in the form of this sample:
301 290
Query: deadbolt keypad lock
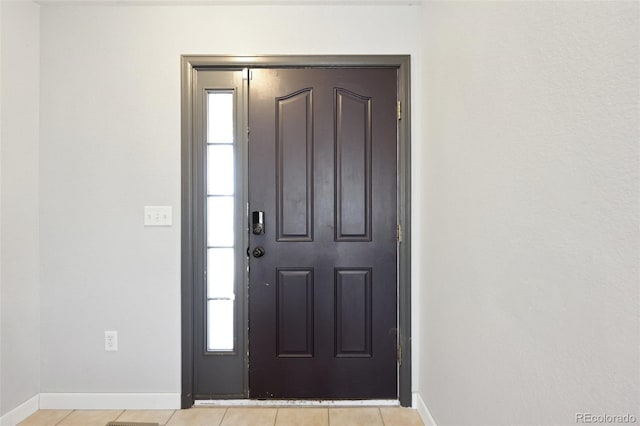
258 252
257 222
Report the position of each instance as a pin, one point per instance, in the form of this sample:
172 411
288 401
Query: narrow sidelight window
220 218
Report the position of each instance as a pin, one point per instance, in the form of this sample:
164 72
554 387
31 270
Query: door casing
402 63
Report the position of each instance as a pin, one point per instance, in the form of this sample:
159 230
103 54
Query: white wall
110 144
1 134
19 246
530 305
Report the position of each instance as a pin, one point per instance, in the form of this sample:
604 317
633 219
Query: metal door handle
258 252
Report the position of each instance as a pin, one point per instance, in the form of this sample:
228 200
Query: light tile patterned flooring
234 416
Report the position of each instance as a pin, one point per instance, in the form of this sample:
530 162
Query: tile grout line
226 410
119 415
169 419
275 419
62 419
381 418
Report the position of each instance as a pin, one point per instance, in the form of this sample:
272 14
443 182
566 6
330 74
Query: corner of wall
19 193
423 410
21 412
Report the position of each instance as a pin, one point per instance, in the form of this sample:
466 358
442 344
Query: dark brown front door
322 297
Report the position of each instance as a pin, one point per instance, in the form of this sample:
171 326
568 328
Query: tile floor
234 416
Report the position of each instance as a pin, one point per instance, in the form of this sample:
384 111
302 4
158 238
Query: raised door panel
352 166
353 312
294 312
294 163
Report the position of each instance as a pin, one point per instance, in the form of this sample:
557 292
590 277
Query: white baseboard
424 412
110 401
21 412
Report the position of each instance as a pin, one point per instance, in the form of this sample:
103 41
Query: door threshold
297 402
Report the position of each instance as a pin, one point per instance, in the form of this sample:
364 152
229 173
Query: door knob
258 252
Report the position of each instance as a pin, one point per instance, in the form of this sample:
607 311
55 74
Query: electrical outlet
110 340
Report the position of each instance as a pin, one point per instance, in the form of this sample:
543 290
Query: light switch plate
158 216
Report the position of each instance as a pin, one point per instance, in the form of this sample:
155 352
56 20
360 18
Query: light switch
158 216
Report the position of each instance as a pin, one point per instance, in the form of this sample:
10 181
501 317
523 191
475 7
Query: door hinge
399 233
399 354
399 110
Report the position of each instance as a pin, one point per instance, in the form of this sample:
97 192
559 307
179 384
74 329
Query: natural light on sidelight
220 221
